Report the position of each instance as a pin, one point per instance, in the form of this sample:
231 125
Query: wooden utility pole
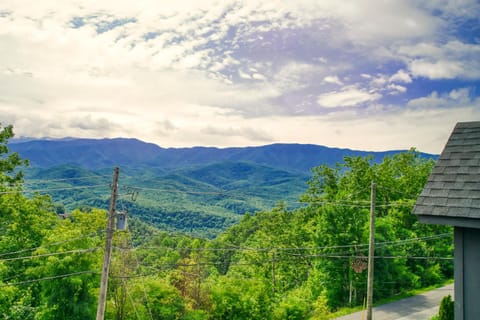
102 296
371 249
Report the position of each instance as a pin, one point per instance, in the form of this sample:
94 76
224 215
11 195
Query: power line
67 188
180 191
379 257
143 282
46 278
49 254
268 261
52 244
52 189
131 299
338 203
41 181
380 244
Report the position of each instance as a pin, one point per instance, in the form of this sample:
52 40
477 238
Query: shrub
446 309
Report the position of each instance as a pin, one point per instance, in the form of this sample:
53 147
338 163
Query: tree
297 304
339 198
10 163
24 223
156 299
236 298
73 296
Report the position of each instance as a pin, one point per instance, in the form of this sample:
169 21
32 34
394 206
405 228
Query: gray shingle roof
453 188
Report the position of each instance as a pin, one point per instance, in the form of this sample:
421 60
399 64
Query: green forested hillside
201 200
283 263
98 154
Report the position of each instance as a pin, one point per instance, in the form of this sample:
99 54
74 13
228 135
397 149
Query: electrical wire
378 245
130 299
180 191
66 188
142 279
165 266
341 203
379 257
41 181
46 278
52 189
98 232
50 254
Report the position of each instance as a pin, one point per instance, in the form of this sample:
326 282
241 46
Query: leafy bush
446 309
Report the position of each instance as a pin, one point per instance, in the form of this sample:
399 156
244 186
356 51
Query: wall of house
467 273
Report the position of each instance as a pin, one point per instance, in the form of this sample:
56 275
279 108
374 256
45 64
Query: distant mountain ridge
199 190
103 153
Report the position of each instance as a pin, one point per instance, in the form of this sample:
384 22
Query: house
452 197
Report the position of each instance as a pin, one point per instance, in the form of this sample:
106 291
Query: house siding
467 273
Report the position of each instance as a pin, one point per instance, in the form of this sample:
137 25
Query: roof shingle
453 188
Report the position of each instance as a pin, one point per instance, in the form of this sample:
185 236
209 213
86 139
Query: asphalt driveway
420 307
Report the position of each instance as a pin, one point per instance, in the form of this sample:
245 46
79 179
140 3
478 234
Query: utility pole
371 249
102 296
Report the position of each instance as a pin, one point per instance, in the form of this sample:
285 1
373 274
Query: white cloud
244 75
295 75
333 79
375 21
454 8
401 76
440 69
88 123
453 99
461 95
349 97
238 132
425 129
379 81
258 76
396 89
431 101
455 59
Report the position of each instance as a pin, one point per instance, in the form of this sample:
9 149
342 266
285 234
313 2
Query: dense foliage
201 201
283 263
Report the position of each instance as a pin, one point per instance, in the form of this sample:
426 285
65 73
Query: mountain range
102 153
199 190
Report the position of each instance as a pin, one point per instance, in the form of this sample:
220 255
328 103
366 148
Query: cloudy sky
361 74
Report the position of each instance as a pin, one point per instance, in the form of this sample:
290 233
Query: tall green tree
340 199
10 162
75 295
23 225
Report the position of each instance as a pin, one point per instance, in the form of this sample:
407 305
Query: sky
359 74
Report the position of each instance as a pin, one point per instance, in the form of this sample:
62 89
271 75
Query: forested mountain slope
201 200
102 153
196 190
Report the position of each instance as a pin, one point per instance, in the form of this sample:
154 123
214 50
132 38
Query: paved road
420 307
